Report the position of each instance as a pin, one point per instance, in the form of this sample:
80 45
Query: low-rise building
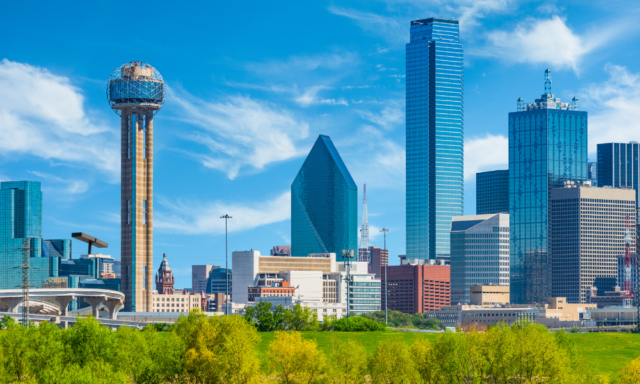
417 288
489 295
615 298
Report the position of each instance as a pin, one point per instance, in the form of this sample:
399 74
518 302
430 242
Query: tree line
224 349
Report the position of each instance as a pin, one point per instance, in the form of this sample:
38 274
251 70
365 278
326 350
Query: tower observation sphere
135 91
136 84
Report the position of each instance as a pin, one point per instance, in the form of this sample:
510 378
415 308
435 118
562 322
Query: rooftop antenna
547 82
363 252
520 104
574 103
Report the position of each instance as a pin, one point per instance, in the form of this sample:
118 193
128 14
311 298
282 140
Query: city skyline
215 151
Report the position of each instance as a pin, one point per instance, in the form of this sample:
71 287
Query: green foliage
357 324
267 319
293 359
392 363
574 330
403 320
348 361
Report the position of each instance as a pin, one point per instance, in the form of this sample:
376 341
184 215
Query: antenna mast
26 255
628 295
363 251
547 82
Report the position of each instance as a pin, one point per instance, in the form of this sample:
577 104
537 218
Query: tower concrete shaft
137 208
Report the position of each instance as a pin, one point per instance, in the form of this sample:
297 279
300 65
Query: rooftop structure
136 92
364 253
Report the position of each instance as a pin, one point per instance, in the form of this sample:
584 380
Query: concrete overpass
113 301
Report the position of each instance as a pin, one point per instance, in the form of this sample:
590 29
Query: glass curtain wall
434 135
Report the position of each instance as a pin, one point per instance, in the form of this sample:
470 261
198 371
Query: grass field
606 352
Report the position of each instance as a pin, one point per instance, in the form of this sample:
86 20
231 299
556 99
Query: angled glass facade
619 165
435 121
324 205
492 192
21 218
57 248
547 146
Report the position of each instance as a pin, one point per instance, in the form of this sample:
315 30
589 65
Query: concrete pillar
12 302
63 302
114 306
95 302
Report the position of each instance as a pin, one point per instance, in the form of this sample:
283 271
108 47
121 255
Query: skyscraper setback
435 136
135 91
547 146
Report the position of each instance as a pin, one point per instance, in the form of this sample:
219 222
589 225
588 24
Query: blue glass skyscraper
324 207
492 192
619 165
547 146
21 218
435 136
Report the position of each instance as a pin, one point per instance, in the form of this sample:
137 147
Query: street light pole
386 318
226 256
347 255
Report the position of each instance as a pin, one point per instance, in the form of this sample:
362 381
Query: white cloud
374 159
240 132
43 115
485 154
388 27
197 218
614 115
298 64
69 186
310 97
548 41
392 114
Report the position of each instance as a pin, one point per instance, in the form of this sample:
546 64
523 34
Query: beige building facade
489 294
178 302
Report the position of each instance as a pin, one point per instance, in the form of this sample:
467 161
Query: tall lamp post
386 318
226 256
347 255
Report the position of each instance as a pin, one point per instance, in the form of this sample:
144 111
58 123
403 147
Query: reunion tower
136 93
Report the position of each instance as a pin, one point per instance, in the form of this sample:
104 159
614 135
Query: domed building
164 278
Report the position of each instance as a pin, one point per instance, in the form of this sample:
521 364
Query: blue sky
251 86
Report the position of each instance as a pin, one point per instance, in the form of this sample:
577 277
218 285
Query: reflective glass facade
479 253
435 121
324 205
492 192
21 218
217 281
619 165
547 145
56 248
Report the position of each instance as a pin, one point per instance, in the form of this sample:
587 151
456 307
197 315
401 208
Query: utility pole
26 255
347 255
386 311
226 256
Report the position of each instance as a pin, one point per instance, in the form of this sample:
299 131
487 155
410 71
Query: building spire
363 251
547 82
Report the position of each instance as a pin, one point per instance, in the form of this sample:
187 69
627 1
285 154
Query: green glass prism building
434 135
21 218
547 146
324 207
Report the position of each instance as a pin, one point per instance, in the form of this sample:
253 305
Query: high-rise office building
547 146
592 173
20 223
619 165
199 277
435 122
324 207
588 230
135 91
492 192
379 258
414 288
479 253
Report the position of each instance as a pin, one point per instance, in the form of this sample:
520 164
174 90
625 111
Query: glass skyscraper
619 165
435 121
492 192
21 218
547 146
324 216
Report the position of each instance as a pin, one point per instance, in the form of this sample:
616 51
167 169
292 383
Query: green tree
392 364
460 357
302 318
294 360
425 361
219 349
14 344
348 361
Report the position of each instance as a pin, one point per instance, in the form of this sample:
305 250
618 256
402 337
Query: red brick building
379 258
417 288
164 278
